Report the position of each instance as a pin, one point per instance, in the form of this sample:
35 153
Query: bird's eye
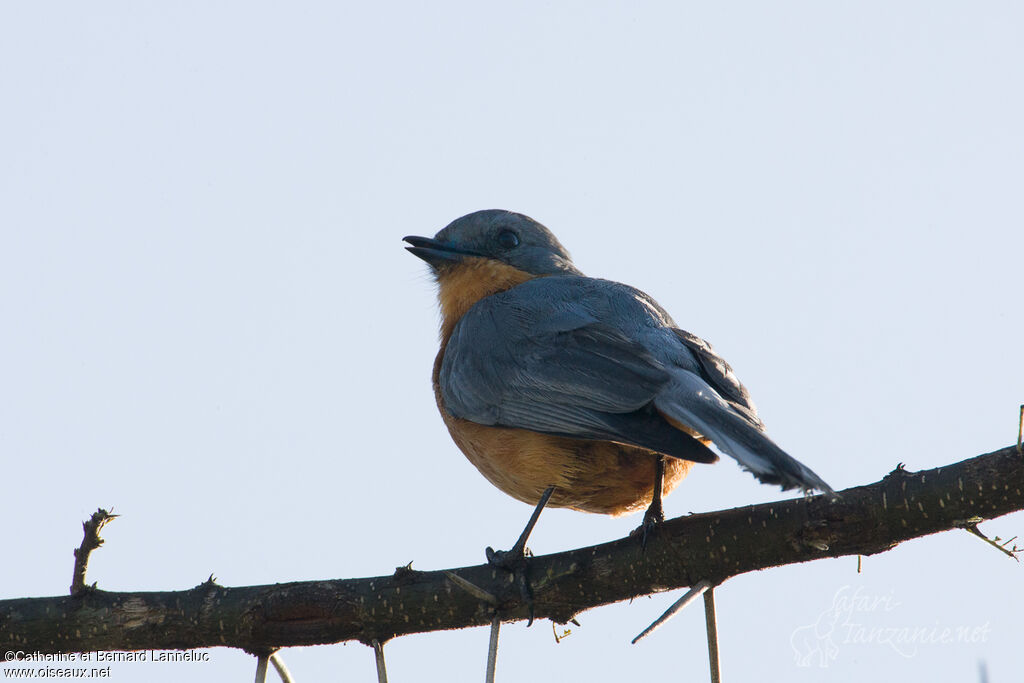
508 239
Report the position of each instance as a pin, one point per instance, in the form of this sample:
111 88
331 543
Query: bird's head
509 238
484 253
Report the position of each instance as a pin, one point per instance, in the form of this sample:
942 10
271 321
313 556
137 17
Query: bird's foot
514 560
653 517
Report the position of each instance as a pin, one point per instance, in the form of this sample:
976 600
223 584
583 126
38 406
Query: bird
571 391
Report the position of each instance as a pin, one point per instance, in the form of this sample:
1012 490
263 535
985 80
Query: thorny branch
714 546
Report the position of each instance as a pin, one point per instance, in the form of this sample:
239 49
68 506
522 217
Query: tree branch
711 547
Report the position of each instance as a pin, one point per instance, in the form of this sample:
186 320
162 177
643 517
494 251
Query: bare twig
90 541
560 637
994 542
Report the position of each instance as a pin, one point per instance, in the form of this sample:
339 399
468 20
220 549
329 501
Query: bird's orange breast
592 476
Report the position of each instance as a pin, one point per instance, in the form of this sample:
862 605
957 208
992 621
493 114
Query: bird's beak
435 252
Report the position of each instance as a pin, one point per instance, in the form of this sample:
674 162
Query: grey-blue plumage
587 358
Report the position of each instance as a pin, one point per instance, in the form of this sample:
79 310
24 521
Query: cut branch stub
90 541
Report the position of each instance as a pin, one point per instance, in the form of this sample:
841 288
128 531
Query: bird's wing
688 400
547 364
717 373
594 359
729 418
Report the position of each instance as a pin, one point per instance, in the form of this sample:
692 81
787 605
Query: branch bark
714 546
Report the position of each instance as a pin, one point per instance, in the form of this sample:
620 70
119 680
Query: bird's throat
462 285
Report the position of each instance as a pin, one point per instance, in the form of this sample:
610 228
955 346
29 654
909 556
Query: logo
858 618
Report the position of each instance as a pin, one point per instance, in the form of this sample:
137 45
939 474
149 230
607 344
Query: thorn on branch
492 649
695 592
208 584
1013 551
711 621
378 657
261 668
90 541
282 670
405 572
472 588
815 535
1020 430
900 471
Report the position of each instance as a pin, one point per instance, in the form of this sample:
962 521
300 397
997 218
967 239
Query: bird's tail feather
690 402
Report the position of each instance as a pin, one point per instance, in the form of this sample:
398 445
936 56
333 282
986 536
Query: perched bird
548 379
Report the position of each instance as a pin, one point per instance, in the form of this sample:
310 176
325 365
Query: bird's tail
689 402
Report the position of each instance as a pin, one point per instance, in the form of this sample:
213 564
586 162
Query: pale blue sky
209 322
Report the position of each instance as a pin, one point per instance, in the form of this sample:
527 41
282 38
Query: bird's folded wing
565 374
717 373
596 360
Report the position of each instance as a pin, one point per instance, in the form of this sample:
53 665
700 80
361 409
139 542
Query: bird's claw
514 562
504 559
653 517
